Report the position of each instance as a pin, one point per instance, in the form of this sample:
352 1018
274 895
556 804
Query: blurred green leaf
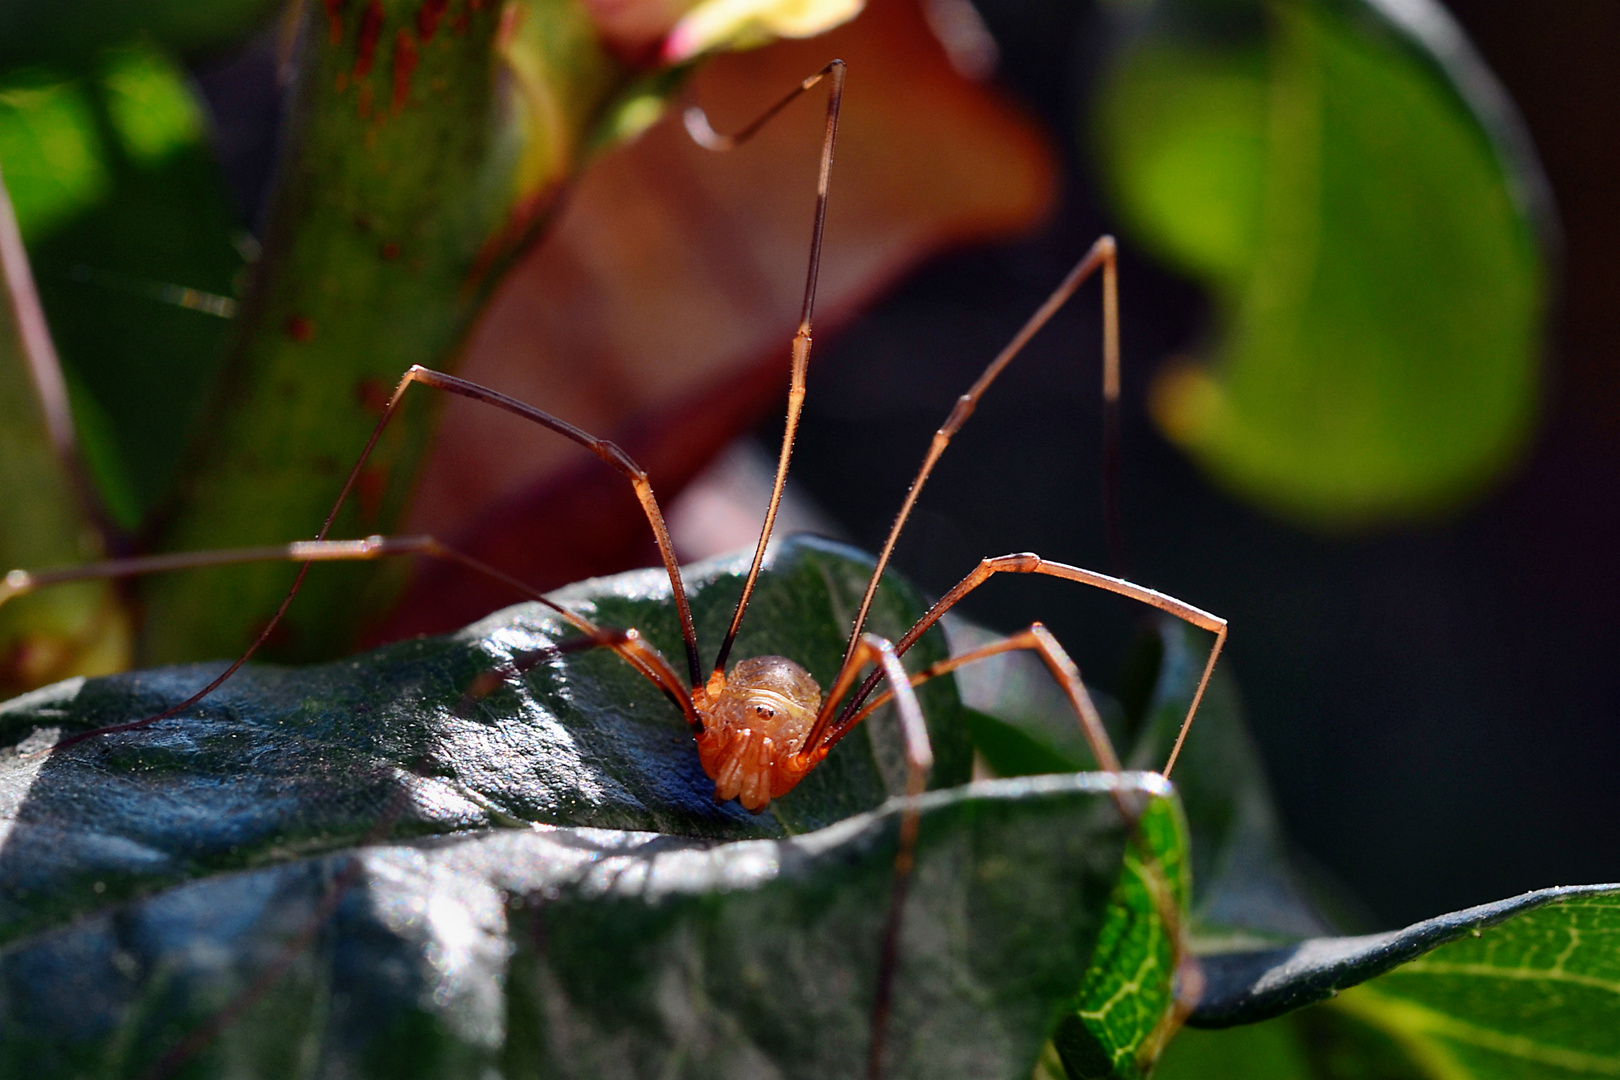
1268 1051
76 629
132 235
1348 180
336 868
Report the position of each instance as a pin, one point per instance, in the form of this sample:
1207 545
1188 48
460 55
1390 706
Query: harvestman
762 727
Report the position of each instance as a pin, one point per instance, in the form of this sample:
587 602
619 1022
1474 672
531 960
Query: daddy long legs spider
762 723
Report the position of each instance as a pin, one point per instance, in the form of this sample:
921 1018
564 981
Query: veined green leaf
1123 1013
1522 987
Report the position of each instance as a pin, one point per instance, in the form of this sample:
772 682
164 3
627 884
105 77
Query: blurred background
1436 692
1371 406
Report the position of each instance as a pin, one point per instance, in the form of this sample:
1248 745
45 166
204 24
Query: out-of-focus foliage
81 627
72 32
658 309
1347 179
134 244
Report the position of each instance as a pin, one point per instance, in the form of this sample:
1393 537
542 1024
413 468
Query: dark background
1438 703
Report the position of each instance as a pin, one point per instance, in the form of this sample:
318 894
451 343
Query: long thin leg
627 643
1029 563
635 650
919 762
1113 513
608 451
698 125
1038 639
1064 670
1102 254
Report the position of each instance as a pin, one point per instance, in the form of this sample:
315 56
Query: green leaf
293 760
1022 725
134 241
1244 888
336 868
77 629
592 953
1349 181
1120 1018
1523 987
1270 1051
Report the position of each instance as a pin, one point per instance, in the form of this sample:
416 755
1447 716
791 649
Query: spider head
754 725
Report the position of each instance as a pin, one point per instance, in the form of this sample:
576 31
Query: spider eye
764 710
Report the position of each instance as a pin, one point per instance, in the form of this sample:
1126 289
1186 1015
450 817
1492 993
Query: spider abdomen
754 730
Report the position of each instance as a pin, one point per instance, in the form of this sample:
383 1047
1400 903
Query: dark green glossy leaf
1348 179
1525 987
330 869
1522 987
591 953
284 761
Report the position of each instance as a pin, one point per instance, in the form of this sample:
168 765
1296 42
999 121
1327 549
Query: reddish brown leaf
660 310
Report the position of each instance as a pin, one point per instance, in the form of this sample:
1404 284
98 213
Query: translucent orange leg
609 452
1067 674
919 763
1102 254
1038 639
636 651
1030 563
697 124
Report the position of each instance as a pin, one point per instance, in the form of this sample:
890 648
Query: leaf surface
592 953
335 869
290 761
1242 887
